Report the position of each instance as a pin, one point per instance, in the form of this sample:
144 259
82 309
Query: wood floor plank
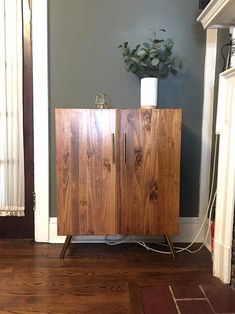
93 278
135 297
82 303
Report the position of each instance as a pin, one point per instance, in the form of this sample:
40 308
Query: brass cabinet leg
168 241
65 246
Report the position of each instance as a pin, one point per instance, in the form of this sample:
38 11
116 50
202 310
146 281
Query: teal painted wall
84 60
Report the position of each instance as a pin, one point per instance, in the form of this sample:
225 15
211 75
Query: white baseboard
222 269
188 230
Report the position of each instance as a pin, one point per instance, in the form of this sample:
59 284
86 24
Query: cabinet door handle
113 148
124 143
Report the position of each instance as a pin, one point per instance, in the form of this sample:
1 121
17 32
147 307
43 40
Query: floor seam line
176 305
207 299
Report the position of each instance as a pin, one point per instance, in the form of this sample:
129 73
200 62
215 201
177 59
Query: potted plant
151 61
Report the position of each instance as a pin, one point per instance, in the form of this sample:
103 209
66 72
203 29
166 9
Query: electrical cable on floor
114 242
148 248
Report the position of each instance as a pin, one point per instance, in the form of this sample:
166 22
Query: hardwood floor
93 278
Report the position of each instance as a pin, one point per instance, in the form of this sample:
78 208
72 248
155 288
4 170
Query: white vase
148 92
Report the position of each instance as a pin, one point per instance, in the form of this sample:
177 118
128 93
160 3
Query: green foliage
154 58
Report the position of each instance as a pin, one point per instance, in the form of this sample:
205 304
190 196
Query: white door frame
225 127
40 116
44 230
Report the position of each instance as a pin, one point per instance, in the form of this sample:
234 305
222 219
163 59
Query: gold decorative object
102 101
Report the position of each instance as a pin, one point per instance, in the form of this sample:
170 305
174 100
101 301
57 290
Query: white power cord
114 242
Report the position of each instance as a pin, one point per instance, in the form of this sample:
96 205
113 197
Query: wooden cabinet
118 171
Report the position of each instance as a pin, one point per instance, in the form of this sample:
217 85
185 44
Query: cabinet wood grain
118 171
85 168
149 176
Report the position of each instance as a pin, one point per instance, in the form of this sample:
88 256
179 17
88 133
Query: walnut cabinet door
118 171
86 171
149 171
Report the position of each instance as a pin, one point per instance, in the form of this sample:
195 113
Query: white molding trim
207 121
188 229
217 14
41 129
226 177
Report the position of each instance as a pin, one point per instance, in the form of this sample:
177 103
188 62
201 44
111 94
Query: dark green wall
84 60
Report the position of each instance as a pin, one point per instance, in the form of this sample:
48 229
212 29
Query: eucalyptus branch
153 58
